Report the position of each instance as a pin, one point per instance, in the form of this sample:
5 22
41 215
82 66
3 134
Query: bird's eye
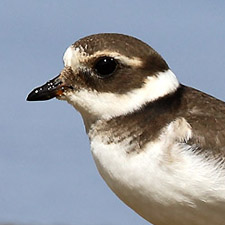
105 66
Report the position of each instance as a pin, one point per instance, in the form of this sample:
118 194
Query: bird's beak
53 88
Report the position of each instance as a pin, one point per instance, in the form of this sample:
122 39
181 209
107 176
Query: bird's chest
135 177
156 182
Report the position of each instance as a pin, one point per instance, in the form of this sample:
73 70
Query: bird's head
108 75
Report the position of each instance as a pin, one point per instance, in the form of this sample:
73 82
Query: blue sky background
47 175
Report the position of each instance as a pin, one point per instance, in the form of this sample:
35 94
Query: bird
158 144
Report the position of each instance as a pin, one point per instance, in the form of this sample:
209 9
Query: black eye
105 66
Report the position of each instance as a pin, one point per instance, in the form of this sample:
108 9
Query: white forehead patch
73 56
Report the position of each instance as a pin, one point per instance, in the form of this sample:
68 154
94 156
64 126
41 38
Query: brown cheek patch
121 82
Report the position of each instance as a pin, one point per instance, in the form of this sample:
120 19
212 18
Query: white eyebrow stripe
75 56
132 61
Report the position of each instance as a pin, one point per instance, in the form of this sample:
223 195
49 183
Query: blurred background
47 174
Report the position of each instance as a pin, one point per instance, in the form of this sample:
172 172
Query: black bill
51 89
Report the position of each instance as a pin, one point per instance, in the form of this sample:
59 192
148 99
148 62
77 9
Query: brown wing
206 116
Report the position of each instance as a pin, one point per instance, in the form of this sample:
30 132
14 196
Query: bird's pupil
105 66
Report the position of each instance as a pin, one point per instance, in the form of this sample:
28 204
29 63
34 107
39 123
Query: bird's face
107 75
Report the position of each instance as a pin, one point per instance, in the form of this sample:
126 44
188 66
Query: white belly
163 184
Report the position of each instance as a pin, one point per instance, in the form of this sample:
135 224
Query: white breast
165 183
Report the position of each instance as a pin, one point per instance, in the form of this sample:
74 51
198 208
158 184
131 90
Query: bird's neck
143 125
